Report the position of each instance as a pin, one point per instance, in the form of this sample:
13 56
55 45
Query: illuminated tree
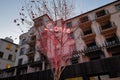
55 9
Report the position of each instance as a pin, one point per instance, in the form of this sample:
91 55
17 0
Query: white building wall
4 60
23 56
96 27
25 46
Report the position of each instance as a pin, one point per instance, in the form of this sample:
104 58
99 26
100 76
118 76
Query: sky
9 10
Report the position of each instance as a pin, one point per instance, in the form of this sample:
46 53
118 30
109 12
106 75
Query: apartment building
96 54
27 45
34 48
8 51
97 28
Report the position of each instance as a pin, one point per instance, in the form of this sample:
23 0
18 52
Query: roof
8 42
41 17
94 10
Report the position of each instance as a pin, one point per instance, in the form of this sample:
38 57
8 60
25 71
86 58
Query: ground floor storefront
103 69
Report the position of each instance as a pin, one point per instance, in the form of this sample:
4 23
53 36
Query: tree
55 9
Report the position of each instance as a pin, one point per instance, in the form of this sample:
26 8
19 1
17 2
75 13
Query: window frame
22 50
86 30
1 54
84 19
23 41
20 61
10 56
100 13
69 24
104 24
8 46
117 6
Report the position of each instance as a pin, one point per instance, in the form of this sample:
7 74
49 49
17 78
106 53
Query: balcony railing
84 19
109 66
101 13
109 31
85 25
111 44
88 37
96 48
103 18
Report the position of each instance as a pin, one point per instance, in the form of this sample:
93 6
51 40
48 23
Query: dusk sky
9 10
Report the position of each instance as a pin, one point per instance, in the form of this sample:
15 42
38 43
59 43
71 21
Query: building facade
39 42
24 53
8 51
97 28
96 52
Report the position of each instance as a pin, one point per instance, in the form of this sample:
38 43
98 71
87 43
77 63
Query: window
1 54
10 57
117 7
101 13
22 50
8 66
20 61
8 46
69 24
72 35
16 49
84 19
106 25
87 31
33 38
23 41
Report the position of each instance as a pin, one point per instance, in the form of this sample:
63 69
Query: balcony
75 57
103 18
109 31
7 72
109 66
94 53
98 66
87 38
85 25
87 31
84 19
113 47
30 53
21 70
